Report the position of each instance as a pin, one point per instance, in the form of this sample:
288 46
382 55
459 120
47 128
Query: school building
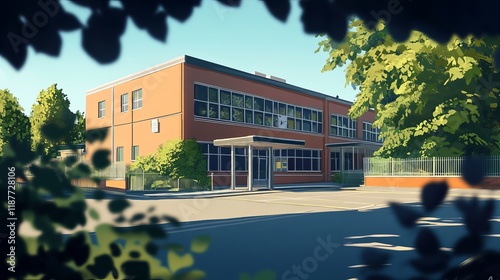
246 123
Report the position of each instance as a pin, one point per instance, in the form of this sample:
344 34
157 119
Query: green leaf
93 214
177 261
200 244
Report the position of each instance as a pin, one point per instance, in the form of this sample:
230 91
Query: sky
247 38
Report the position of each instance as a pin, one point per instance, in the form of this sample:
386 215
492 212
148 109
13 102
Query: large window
297 160
135 152
119 154
343 126
219 158
370 133
215 103
101 112
137 99
124 102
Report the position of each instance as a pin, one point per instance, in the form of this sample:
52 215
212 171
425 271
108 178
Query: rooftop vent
277 79
260 74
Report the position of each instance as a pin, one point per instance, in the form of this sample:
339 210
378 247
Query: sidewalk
242 190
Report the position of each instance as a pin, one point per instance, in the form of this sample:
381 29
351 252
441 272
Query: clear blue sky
246 38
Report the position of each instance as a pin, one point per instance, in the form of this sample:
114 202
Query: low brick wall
417 182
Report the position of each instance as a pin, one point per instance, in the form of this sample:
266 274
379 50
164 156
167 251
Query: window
135 152
219 158
119 154
215 103
137 99
370 133
342 126
297 160
334 161
101 111
124 102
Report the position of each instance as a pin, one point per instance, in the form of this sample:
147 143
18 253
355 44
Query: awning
358 144
259 142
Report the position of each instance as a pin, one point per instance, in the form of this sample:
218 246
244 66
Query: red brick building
192 98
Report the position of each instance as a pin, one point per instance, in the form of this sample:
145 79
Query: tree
430 99
14 124
177 159
51 120
39 23
78 131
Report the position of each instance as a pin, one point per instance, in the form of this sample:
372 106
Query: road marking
303 204
232 223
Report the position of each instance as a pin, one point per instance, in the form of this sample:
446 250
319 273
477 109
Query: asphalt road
306 233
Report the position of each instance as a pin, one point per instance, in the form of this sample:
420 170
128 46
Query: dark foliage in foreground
39 24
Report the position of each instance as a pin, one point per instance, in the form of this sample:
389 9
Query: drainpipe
113 124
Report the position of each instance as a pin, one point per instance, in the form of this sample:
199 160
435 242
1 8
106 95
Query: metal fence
435 166
144 181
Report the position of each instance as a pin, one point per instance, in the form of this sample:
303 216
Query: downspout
113 124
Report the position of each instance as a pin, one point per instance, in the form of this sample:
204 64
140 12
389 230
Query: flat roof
364 144
218 68
260 142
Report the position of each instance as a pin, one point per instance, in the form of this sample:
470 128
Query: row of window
219 158
350 163
136 103
370 133
120 153
215 103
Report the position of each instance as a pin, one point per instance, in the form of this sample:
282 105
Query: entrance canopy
351 154
260 142
255 141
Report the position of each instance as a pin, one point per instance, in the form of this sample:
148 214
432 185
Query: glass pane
306 153
238 115
213 95
298 112
284 152
345 132
200 93
225 162
240 163
225 97
200 108
307 114
314 116
306 126
213 111
320 116
248 116
315 153
291 123
291 152
258 118
225 113
248 102
282 108
291 164
268 121
225 150
314 127
320 128
203 147
258 104
298 124
213 163
315 164
275 110
345 122
307 164
275 120
291 110
213 149
237 100
298 153
269 106
333 120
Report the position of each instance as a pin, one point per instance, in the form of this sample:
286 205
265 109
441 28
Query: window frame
136 100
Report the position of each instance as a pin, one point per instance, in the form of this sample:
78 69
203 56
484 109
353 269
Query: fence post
433 166
212 181
143 182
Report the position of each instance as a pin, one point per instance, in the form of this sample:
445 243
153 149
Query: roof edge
139 74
